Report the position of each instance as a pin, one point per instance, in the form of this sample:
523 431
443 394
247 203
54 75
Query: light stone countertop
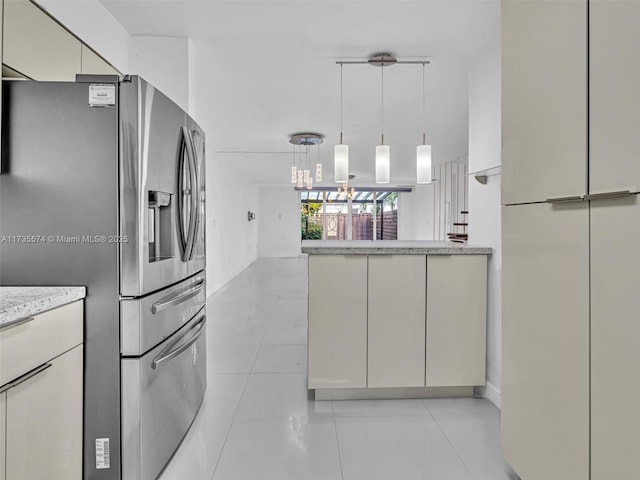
390 247
17 303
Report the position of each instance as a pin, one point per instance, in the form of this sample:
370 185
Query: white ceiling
275 74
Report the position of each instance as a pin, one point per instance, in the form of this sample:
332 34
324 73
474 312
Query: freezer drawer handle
199 328
565 199
183 297
602 196
25 377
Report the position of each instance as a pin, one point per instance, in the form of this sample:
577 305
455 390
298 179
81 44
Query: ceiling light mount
382 60
306 139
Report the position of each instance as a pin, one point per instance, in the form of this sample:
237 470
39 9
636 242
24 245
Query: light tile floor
258 420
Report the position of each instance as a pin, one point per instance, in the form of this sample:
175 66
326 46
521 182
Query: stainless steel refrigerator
104 179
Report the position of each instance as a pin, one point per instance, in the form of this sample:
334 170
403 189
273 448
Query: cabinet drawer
30 344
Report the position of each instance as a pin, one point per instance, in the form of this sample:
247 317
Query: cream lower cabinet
41 379
396 320
615 338
545 340
456 320
3 427
337 321
44 422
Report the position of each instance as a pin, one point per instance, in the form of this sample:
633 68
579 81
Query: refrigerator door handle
195 192
174 352
180 189
182 297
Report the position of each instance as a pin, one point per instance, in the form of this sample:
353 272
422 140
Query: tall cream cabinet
614 96
545 329
544 86
571 342
41 370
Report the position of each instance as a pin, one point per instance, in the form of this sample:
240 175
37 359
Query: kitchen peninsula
394 319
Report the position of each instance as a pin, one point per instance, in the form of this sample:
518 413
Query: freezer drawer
147 321
161 394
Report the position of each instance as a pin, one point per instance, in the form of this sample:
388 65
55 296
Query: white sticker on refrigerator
103 454
102 95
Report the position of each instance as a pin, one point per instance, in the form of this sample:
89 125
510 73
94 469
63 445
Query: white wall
279 222
484 200
415 214
485 93
164 62
231 238
90 21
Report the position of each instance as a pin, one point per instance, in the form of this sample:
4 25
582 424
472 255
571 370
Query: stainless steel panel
61 186
159 404
142 329
151 139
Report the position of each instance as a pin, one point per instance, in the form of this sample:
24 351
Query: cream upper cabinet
614 96
93 63
544 99
36 46
396 342
545 340
337 321
456 320
615 338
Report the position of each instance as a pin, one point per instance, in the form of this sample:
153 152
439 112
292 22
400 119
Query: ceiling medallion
306 139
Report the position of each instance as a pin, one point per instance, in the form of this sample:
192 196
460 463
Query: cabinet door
93 63
544 99
3 417
456 320
614 95
615 339
396 342
44 422
337 321
545 340
36 46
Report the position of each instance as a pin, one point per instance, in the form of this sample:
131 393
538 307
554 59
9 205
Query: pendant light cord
382 105
340 104
424 128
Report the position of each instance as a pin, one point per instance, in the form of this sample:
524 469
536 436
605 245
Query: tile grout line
335 428
471 476
235 413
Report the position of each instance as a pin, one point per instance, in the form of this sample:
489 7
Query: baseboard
391 393
491 393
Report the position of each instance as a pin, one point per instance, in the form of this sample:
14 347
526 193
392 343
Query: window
329 215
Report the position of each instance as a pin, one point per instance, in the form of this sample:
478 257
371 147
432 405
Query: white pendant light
341 151
423 152
383 152
383 163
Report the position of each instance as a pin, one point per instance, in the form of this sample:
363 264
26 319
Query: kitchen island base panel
392 393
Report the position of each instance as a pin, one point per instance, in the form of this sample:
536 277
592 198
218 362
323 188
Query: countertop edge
37 300
397 251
